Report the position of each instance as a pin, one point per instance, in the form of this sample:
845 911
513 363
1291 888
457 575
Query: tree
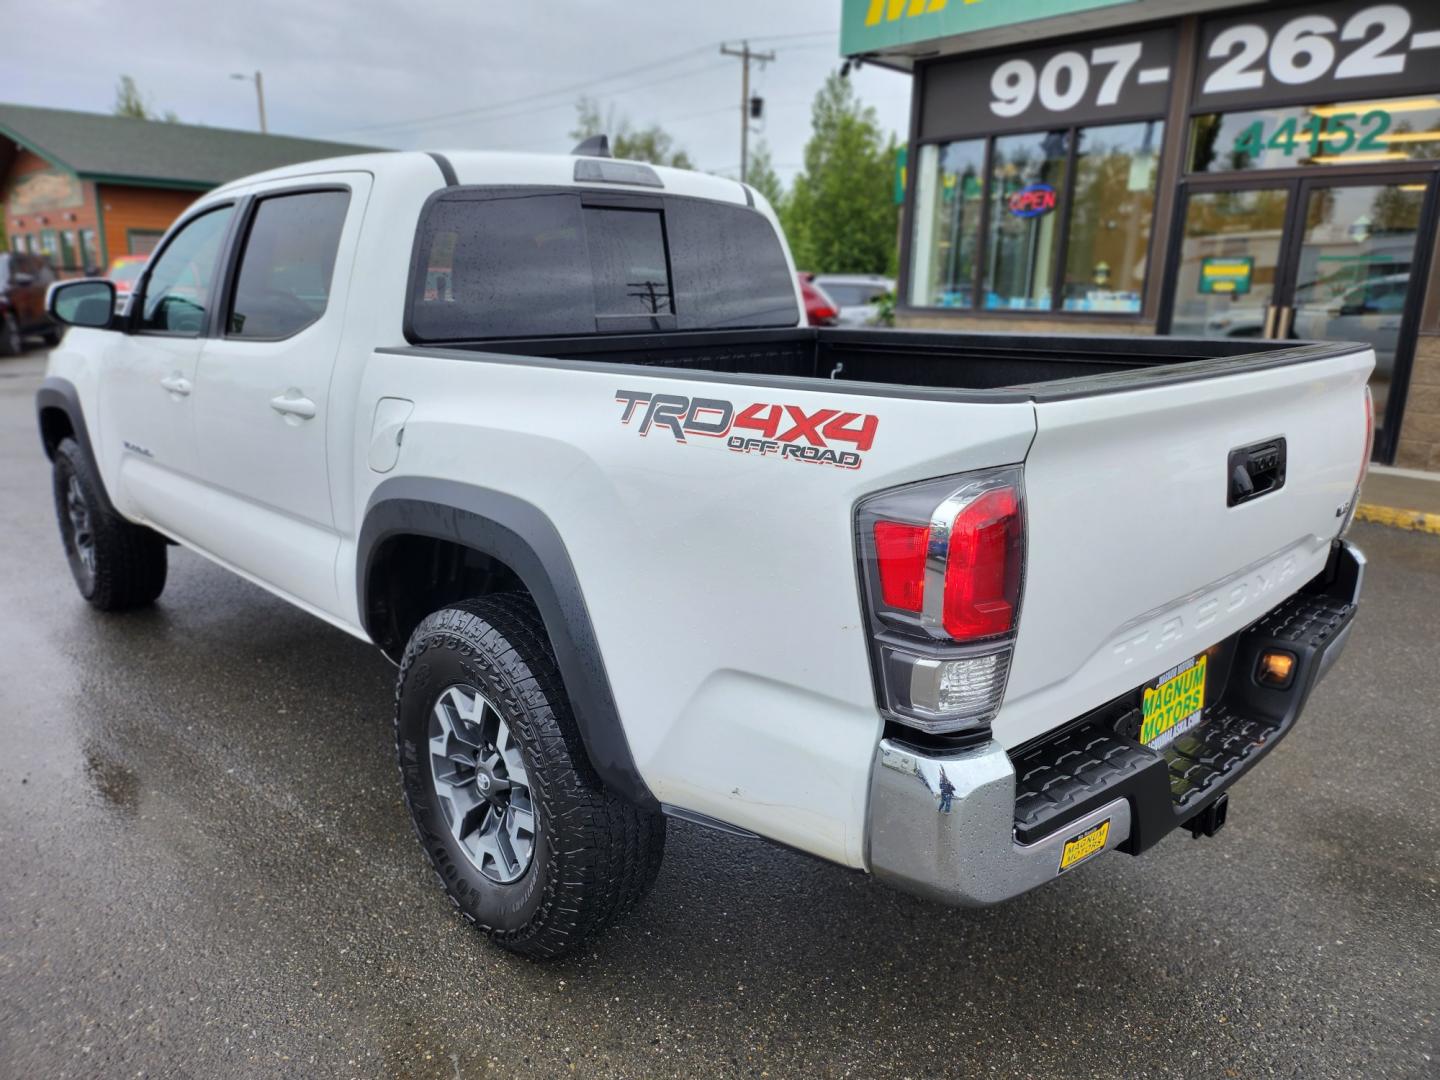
840 216
652 144
762 177
130 102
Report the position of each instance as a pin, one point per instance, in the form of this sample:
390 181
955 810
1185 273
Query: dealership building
1199 168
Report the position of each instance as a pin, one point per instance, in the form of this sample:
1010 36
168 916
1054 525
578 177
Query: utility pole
259 82
745 56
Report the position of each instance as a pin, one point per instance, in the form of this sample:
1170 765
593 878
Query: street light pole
259 82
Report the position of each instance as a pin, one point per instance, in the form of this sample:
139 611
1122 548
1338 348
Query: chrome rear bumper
943 825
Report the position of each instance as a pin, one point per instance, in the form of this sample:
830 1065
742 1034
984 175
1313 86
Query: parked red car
820 310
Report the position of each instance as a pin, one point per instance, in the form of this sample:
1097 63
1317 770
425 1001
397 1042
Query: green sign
1226 275
876 25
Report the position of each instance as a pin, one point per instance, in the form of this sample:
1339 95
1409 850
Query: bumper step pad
1100 760
1203 756
1065 779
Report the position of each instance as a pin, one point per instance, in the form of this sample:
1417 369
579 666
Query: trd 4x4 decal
787 431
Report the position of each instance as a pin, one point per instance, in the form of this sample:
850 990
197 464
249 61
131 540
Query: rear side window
492 263
286 266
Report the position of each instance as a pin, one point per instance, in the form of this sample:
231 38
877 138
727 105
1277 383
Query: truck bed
994 366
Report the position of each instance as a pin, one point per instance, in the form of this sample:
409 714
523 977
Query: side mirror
89 302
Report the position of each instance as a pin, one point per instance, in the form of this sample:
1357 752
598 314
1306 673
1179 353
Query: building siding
138 210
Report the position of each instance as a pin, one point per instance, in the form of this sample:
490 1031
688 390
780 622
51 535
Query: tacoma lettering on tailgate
789 432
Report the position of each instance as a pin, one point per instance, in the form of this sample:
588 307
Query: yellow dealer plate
1175 704
1081 847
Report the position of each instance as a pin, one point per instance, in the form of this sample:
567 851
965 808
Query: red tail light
982 572
982 546
941 567
900 552
1369 436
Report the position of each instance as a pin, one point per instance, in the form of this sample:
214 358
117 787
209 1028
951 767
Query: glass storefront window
1110 217
949 183
89 251
1348 133
1027 182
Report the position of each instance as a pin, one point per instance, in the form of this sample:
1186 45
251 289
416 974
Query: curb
1414 520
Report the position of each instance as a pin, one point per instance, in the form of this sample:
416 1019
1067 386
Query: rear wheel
522 833
116 565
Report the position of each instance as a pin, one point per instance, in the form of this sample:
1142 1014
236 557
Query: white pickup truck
964 611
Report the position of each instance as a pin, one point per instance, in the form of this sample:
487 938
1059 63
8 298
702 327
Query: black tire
594 854
126 563
12 342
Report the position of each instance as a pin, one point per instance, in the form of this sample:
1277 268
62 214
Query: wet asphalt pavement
206 870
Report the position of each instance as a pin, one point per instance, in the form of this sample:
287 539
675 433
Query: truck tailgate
1135 560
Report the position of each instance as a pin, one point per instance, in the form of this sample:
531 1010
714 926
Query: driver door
147 439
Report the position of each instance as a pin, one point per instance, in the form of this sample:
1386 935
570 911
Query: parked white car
964 612
858 295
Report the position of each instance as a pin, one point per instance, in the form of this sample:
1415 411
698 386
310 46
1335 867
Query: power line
493 107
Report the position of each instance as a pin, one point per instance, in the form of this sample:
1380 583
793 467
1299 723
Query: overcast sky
397 74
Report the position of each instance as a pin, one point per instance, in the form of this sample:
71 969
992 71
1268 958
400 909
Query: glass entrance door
1354 255
1229 262
1309 259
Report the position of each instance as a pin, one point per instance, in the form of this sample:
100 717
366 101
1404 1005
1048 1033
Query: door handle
177 384
293 403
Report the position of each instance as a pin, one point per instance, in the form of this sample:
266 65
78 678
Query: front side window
287 265
950 182
177 292
1111 212
1027 182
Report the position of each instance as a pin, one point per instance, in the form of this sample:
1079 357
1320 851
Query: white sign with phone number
1344 49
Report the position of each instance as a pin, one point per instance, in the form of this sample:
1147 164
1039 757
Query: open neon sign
1032 201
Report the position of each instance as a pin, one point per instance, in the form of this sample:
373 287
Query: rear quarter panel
721 584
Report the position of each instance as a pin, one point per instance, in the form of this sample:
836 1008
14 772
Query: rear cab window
546 262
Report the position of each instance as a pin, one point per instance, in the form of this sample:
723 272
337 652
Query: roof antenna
594 146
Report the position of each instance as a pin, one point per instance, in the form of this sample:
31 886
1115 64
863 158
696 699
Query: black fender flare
60 394
521 536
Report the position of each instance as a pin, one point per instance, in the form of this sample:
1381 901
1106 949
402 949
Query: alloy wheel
484 789
82 534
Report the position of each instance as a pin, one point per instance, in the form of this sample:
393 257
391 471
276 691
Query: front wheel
117 565
522 833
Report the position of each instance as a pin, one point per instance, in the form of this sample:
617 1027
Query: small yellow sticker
1080 848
